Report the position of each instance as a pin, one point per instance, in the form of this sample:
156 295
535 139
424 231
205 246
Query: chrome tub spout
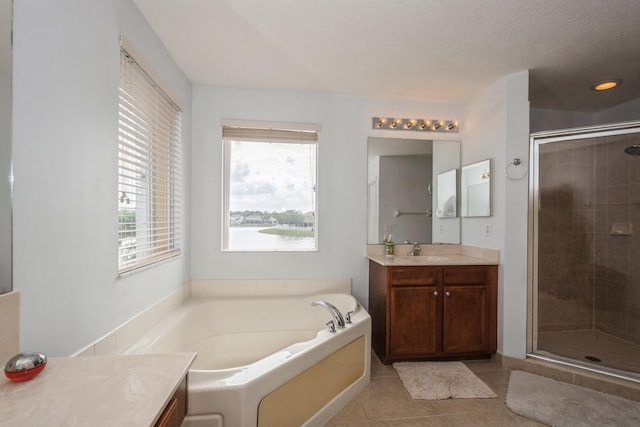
337 316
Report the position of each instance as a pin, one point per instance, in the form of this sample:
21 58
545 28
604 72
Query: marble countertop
432 255
128 390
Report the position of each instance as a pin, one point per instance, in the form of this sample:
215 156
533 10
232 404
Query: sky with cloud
271 176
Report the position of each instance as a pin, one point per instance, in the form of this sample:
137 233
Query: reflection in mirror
447 192
402 191
5 146
475 189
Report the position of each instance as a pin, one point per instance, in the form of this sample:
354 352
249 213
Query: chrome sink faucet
416 249
338 320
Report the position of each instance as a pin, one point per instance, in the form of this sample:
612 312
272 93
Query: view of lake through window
270 196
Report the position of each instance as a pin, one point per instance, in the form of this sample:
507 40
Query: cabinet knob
435 293
448 293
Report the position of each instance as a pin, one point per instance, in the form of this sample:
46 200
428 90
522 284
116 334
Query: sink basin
430 258
424 258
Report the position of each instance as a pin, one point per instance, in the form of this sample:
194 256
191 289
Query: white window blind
149 170
270 135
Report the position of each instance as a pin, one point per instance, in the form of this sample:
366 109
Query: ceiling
427 50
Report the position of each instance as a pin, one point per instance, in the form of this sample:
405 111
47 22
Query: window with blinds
149 170
269 186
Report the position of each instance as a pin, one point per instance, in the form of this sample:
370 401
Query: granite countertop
127 390
432 255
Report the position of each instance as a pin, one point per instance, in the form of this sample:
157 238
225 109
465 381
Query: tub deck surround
121 338
233 332
237 288
250 346
97 391
434 255
118 340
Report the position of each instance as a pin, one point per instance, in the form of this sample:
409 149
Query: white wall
497 128
342 181
5 189
542 119
66 71
629 111
545 119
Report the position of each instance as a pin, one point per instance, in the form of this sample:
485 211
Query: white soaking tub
266 361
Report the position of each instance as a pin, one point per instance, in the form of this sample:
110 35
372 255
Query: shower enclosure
585 296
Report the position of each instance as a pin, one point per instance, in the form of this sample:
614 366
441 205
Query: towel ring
514 164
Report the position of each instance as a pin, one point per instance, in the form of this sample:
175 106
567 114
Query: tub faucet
337 316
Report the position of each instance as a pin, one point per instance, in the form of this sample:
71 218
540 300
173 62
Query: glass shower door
587 246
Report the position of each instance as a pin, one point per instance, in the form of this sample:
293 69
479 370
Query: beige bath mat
561 404
441 380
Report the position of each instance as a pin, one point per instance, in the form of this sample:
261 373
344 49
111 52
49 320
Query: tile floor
385 402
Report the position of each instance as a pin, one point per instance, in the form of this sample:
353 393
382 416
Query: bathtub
268 361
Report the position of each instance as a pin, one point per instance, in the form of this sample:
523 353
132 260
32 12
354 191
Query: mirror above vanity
404 189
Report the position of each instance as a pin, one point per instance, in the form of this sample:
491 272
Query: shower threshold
585 365
591 345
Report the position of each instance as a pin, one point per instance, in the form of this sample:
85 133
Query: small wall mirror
447 194
402 190
475 189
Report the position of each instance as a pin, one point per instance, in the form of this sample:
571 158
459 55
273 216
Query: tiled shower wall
589 273
565 236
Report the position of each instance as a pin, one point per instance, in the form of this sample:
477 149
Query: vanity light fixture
606 85
380 122
410 123
420 125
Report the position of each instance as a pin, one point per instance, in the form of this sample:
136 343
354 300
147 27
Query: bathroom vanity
434 307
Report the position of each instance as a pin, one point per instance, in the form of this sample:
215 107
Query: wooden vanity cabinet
441 312
414 312
175 411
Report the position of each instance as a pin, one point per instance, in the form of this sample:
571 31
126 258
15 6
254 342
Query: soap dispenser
389 246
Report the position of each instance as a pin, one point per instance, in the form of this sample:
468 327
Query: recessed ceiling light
606 85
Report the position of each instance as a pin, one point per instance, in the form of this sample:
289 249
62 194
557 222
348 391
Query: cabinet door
465 319
413 329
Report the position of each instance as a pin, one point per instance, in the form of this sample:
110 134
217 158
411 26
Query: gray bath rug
441 380
562 404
